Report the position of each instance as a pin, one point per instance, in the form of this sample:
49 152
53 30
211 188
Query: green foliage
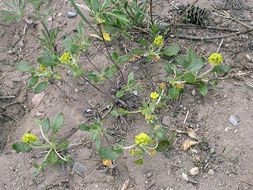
15 10
53 156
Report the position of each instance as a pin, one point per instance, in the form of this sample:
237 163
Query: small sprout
143 139
65 58
159 41
29 138
215 58
154 95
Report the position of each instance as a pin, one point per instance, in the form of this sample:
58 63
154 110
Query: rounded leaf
40 87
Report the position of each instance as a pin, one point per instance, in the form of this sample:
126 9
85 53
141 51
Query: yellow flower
29 138
154 95
159 41
42 67
148 117
215 58
180 85
162 86
132 152
65 57
142 139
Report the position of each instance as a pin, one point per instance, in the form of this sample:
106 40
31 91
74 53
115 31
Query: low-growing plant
54 148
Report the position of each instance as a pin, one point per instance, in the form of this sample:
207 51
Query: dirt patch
226 155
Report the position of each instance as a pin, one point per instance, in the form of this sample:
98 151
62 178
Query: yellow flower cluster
142 139
180 85
159 41
162 86
154 95
65 57
29 138
215 58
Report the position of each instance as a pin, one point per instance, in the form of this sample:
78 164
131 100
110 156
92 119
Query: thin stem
109 54
46 29
151 11
43 135
60 155
97 69
208 71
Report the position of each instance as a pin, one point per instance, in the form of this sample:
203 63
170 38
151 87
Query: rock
71 14
135 92
185 177
193 92
194 171
211 172
234 120
79 168
251 23
227 129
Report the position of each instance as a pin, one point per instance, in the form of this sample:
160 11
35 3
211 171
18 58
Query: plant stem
43 135
209 70
46 29
109 54
151 11
59 155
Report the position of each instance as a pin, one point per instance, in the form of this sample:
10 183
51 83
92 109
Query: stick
213 37
7 97
251 184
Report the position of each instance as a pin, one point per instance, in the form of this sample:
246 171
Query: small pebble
251 23
227 129
135 92
71 14
194 171
211 172
185 177
193 92
234 120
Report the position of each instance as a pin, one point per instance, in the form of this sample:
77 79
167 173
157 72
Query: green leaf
174 92
115 55
190 55
84 127
21 147
167 67
182 61
45 125
98 143
162 146
52 158
189 78
130 77
57 122
77 72
171 50
124 58
196 65
47 61
36 166
140 161
203 90
24 66
110 153
138 52
120 93
143 42
40 87
223 69
63 145
69 44
33 81
115 113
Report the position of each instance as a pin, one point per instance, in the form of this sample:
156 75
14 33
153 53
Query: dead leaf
107 163
187 144
192 134
37 98
67 100
95 36
106 36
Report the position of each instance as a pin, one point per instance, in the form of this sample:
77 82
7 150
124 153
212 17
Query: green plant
54 149
15 10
